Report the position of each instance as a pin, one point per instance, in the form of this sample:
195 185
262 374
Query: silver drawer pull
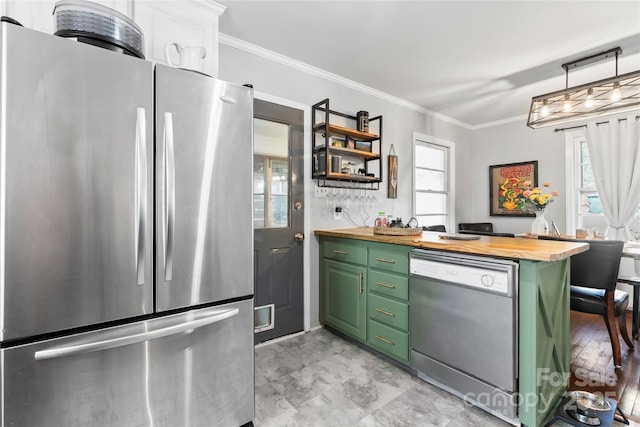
341 252
388 261
385 312
384 340
384 285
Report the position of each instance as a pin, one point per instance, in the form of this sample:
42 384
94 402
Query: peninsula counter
360 270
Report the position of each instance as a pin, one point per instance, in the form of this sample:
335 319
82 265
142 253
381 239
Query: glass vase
540 224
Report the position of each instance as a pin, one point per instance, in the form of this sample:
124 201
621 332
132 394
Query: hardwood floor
592 364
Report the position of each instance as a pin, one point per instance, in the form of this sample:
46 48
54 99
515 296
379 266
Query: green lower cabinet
389 312
345 298
389 341
364 291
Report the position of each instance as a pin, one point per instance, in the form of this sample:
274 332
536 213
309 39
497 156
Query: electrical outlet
322 191
337 213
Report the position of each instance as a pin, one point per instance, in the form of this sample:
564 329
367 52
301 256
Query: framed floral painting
507 183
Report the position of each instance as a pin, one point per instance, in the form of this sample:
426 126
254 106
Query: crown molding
318 72
209 6
523 117
178 6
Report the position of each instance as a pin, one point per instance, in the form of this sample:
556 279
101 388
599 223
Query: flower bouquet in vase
538 200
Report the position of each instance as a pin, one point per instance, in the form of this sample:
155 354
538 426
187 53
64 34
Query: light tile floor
319 379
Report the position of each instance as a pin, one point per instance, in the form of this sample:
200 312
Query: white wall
515 142
512 143
399 122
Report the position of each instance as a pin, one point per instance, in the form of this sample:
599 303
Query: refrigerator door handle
228 99
105 344
140 193
168 196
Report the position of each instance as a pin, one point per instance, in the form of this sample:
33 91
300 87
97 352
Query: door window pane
271 178
279 193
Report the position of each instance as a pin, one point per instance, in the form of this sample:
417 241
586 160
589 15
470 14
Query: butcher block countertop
504 247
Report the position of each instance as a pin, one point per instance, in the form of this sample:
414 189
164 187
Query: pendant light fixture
612 95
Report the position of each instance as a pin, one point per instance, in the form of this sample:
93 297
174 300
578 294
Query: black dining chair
438 227
476 226
594 276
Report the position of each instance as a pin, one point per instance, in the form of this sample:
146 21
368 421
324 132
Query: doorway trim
306 243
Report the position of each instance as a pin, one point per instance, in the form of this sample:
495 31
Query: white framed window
584 209
433 183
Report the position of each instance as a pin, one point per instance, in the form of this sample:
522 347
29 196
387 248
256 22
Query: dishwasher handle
105 344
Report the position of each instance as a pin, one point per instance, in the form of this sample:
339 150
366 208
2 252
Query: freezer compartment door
204 188
75 184
191 369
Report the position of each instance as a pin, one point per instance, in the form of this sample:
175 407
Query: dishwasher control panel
474 277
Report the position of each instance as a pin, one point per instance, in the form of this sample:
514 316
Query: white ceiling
478 62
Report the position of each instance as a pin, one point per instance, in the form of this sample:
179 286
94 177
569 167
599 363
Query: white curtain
614 149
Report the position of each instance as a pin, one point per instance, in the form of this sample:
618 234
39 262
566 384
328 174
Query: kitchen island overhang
503 247
543 306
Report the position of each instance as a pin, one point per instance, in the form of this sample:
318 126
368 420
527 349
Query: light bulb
544 112
615 95
567 107
589 103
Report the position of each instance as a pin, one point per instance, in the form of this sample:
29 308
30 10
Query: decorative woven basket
397 231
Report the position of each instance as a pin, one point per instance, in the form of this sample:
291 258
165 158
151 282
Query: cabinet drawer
389 284
389 341
347 250
389 312
389 258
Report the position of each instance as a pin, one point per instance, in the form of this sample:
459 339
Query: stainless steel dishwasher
464 327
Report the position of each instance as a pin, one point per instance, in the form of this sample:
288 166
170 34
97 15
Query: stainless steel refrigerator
126 247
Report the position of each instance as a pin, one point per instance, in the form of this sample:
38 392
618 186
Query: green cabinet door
345 298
